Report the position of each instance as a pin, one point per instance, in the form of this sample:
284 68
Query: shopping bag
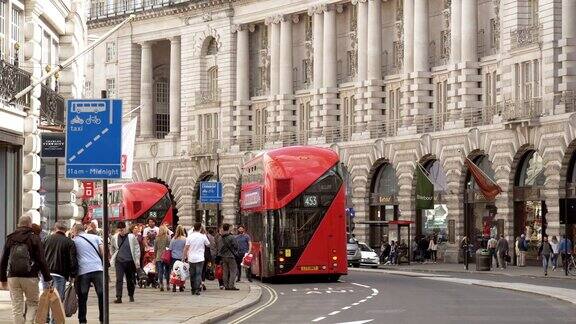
182 269
56 308
50 301
176 280
219 272
247 260
167 256
70 301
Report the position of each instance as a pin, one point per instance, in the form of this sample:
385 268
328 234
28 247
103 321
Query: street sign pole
106 229
56 200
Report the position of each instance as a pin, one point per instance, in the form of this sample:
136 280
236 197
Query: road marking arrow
357 322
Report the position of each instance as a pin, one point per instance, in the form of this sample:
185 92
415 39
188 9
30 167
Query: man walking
502 251
228 252
193 252
126 259
492 242
565 248
22 259
545 251
89 252
244 246
522 249
61 258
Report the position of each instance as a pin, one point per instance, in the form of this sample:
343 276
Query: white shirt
196 242
148 229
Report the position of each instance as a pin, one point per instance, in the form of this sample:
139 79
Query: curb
251 299
488 284
486 273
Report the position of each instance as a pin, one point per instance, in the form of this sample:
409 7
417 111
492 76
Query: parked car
353 253
369 257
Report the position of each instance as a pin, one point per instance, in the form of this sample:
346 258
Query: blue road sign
93 139
210 192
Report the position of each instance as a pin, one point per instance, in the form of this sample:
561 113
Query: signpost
53 145
210 192
93 151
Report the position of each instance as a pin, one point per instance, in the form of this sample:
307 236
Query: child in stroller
147 276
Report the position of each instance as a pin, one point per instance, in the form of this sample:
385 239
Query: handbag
210 275
167 256
219 272
70 301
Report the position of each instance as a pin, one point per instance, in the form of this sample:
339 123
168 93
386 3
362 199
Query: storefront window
436 222
10 170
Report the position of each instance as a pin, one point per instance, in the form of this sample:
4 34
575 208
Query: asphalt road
386 298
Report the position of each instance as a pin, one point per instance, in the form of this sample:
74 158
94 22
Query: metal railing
12 81
51 108
525 36
208 97
104 9
522 109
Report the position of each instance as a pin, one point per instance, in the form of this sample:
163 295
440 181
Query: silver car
353 253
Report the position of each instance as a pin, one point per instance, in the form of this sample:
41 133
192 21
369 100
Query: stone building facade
36 36
387 84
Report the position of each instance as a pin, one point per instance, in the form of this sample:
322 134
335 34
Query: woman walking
545 251
161 244
177 248
433 247
555 252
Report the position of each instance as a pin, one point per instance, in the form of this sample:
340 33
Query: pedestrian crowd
145 256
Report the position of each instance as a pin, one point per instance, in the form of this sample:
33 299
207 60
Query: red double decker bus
293 203
133 202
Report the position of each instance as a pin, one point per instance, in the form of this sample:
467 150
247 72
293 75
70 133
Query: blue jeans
554 260
196 275
82 285
163 272
545 261
60 286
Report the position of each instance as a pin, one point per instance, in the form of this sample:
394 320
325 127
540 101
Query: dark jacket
60 254
27 236
227 246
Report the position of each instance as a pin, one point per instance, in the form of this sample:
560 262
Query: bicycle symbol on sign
92 120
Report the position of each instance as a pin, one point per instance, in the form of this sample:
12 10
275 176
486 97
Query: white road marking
360 285
272 300
369 297
362 301
294 290
355 304
334 313
318 319
357 322
96 138
346 307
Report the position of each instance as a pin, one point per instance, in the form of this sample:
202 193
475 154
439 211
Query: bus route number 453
310 201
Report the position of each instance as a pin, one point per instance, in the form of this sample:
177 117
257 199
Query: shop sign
53 145
384 200
88 189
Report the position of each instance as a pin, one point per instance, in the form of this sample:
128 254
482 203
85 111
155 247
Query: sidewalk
512 271
153 306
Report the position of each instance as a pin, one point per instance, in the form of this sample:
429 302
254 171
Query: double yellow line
270 302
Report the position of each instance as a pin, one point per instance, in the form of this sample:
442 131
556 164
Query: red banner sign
88 189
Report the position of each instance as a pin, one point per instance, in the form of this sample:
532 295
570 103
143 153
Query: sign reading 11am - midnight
94 139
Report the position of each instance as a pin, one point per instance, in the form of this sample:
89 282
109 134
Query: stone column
317 14
568 56
455 31
242 103
362 53
285 115
421 36
469 30
146 109
329 91
407 117
175 82
274 32
373 107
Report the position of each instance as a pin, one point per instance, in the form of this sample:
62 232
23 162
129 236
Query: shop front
383 204
568 204
10 184
433 222
529 203
480 212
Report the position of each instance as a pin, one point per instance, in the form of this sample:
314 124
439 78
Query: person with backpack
60 253
89 251
126 259
227 253
22 259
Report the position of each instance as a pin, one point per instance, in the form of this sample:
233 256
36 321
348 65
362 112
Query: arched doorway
383 204
480 223
529 202
434 222
208 214
568 204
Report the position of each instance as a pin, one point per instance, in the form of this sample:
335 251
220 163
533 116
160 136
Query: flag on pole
424 189
488 187
128 142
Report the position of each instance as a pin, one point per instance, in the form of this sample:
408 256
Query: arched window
213 83
531 172
212 48
385 183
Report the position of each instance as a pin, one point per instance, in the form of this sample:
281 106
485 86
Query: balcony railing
51 108
102 10
12 81
525 36
522 109
208 97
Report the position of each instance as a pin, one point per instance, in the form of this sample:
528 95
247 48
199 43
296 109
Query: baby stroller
147 276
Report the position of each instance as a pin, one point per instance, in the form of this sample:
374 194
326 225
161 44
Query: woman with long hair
177 248
161 244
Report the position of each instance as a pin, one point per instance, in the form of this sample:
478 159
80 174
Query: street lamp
216 149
